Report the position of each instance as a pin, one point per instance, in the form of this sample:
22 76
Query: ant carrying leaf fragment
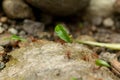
16 38
100 62
62 33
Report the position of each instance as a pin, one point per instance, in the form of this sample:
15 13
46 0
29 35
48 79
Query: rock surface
109 37
33 27
60 7
43 60
17 9
101 8
117 6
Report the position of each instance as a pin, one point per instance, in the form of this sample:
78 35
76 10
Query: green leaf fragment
62 33
100 62
18 38
74 78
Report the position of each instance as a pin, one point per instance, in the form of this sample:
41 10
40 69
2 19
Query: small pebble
2 30
2 65
5 26
94 28
13 30
108 22
22 33
1 24
44 35
97 21
3 19
1 50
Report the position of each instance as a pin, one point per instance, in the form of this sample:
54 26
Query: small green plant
62 33
17 38
100 62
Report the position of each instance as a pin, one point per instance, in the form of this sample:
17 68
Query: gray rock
1 29
109 37
44 60
108 22
100 8
4 39
60 7
32 27
16 9
2 65
96 21
22 33
12 31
